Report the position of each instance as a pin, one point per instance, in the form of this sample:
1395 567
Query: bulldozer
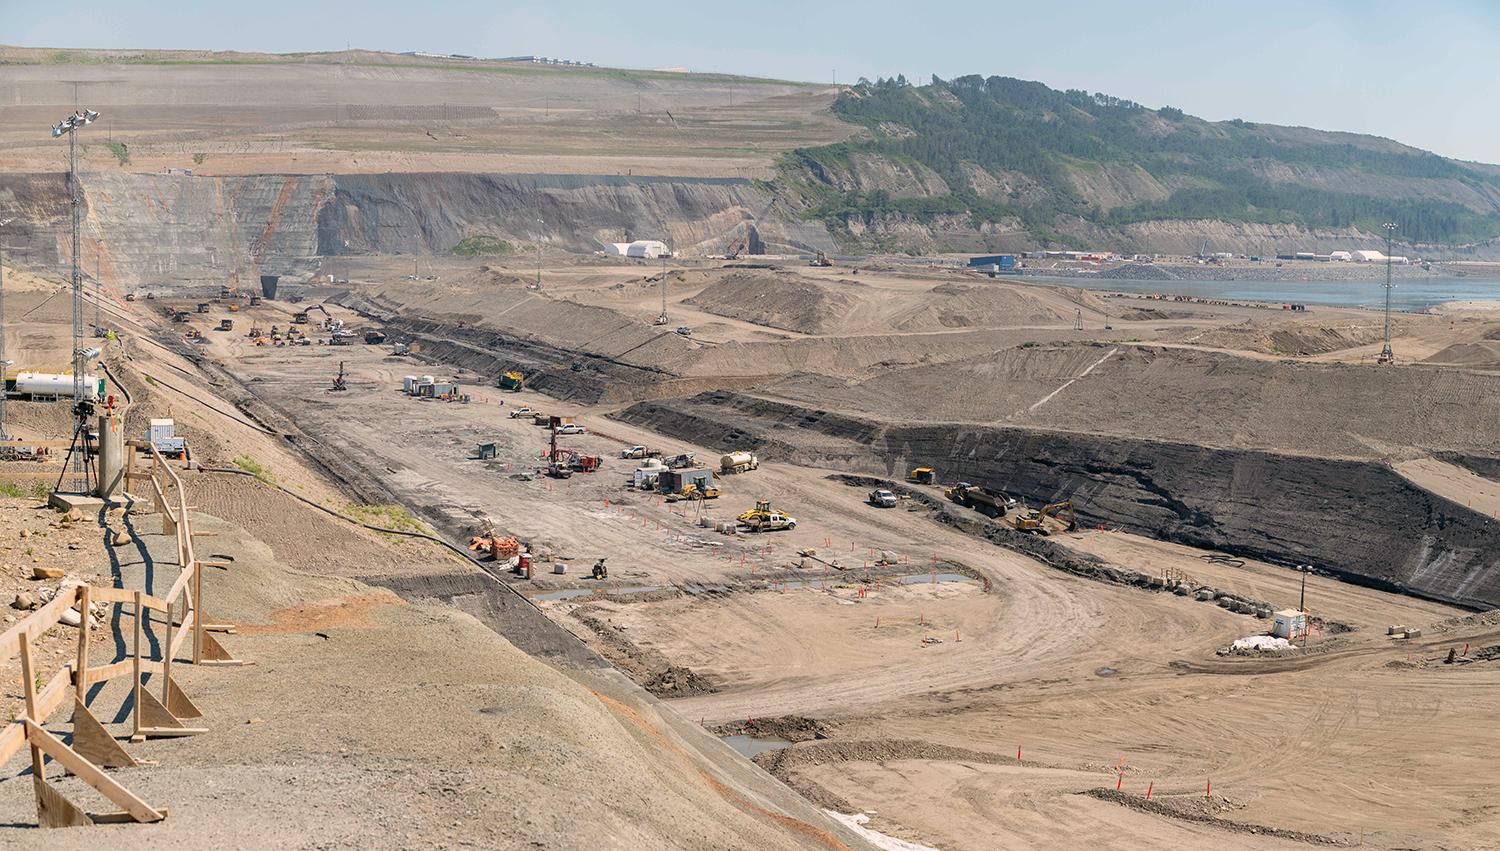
764 518
922 476
1035 521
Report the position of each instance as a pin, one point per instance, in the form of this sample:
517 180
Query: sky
1423 73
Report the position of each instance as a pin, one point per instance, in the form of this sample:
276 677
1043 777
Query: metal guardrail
93 748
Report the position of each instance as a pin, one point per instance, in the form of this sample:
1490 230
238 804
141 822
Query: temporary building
1340 256
1366 256
644 248
1289 623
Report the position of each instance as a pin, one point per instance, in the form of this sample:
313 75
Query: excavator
764 518
691 491
301 317
1034 521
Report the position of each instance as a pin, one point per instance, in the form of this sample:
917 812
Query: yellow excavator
1034 521
691 491
764 518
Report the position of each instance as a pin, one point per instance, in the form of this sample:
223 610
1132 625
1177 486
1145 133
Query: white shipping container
1289 624
162 429
409 384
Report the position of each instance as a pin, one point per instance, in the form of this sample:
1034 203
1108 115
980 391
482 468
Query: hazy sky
1424 73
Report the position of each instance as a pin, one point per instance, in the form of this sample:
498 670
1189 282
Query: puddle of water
570 593
919 578
912 579
749 746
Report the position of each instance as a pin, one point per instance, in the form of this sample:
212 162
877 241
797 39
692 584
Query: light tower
1386 355
83 409
661 318
3 362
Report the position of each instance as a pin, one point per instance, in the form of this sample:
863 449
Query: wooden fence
93 748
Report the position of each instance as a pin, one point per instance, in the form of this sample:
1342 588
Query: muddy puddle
749 746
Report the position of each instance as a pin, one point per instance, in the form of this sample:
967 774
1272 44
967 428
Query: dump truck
986 502
226 324
922 476
511 382
764 518
738 462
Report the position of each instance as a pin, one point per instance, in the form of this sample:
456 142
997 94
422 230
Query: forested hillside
989 161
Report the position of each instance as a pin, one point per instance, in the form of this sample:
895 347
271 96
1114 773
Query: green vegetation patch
483 244
255 468
385 516
121 152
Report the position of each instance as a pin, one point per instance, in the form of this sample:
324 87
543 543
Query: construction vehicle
226 324
1034 521
301 318
511 382
640 452
691 491
195 335
202 307
254 331
601 570
986 502
922 476
882 498
178 315
254 300
130 296
738 462
234 308
764 518
374 338
340 381
821 260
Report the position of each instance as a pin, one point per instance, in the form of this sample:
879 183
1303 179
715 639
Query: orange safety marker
1149 787
1208 788
1119 779
1018 753
956 636
877 621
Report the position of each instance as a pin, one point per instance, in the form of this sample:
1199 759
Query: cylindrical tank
427 379
653 464
736 459
52 384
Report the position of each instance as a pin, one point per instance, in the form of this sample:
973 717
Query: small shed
675 481
1289 624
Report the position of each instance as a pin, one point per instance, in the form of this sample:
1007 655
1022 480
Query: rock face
166 229
1355 519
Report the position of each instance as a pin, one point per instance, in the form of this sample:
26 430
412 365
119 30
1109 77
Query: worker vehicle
738 462
680 462
640 452
922 476
522 411
882 498
987 502
511 382
1034 521
764 518
571 428
684 331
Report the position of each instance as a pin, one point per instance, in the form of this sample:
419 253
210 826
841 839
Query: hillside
976 163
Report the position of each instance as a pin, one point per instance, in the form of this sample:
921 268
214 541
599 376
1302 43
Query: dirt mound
1301 339
964 305
1484 354
777 299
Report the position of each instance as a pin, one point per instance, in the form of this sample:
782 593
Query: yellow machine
922 476
692 491
764 518
1034 521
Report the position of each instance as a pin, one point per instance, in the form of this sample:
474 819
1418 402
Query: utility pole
1386 355
1302 600
661 318
3 362
538 285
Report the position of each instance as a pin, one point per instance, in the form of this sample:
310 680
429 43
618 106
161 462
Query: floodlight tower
83 409
3 362
1386 355
661 318
69 127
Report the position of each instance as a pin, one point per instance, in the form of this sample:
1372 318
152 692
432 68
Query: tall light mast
1386 355
83 409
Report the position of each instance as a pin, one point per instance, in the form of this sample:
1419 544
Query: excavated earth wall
186 230
1357 520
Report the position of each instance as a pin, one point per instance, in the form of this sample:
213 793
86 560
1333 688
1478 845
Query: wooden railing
93 748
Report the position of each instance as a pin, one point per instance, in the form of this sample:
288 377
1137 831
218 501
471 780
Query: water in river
1409 295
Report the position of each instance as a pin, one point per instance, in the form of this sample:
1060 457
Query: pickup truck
882 498
517 413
